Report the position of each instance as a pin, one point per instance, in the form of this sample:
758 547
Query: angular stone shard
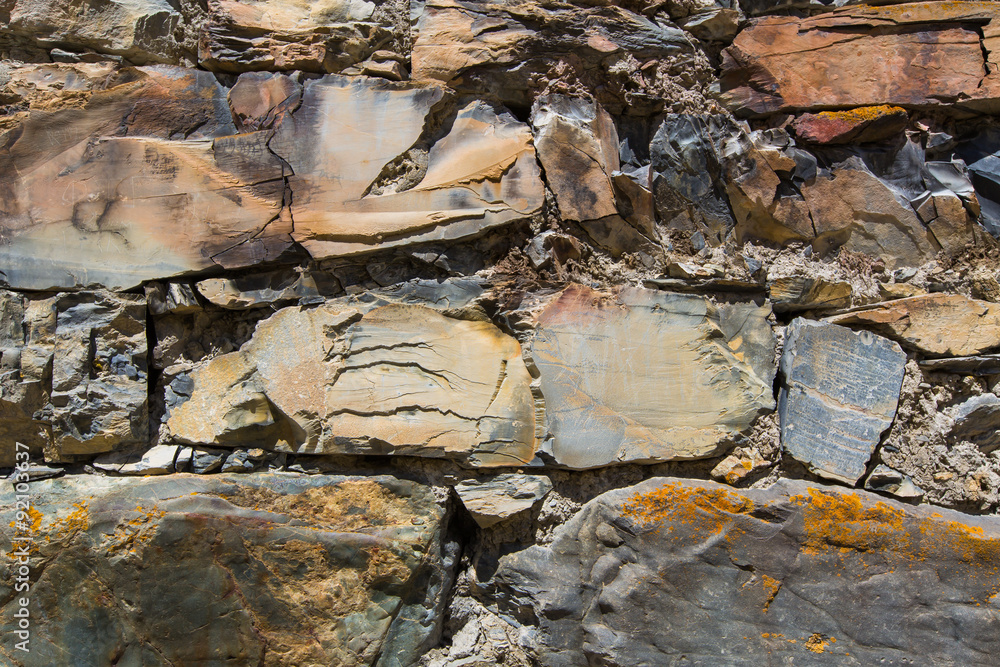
978 420
839 393
371 379
481 174
793 293
839 59
493 500
936 324
886 480
142 31
228 569
676 571
325 36
649 376
851 126
271 287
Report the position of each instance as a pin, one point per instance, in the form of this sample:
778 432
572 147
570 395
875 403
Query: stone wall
465 333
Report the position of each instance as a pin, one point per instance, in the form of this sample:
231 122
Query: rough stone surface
649 376
838 59
282 569
392 378
674 571
853 126
481 174
935 324
839 394
794 293
493 500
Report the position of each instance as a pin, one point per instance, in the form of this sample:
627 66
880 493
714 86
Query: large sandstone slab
140 180
918 54
688 572
348 131
649 376
385 378
282 569
940 325
284 35
839 394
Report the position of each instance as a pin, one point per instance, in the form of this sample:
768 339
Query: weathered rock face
141 31
390 379
839 59
493 500
325 36
675 569
281 569
935 324
481 174
649 376
839 394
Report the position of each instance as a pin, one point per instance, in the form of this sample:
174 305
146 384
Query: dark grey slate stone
839 393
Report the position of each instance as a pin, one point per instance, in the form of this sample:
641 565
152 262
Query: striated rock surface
325 36
917 54
674 571
852 126
839 394
649 376
392 378
935 324
282 569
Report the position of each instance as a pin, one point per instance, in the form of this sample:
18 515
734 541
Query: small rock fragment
491 501
737 467
886 480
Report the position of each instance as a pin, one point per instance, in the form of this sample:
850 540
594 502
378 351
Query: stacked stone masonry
452 333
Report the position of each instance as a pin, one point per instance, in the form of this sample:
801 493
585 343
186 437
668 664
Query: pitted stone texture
479 175
687 572
839 393
839 59
285 570
649 376
372 379
936 324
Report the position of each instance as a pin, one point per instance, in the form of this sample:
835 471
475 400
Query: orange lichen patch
771 587
32 527
75 522
862 114
701 508
352 505
842 520
134 532
817 643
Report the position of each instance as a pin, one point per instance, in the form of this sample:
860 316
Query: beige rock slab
936 324
118 211
649 376
482 174
398 379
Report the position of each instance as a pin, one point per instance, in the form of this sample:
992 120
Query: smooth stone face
681 571
371 379
839 393
493 500
227 569
481 174
840 59
649 376
935 324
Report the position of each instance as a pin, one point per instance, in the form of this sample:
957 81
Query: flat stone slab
839 393
681 572
490 501
649 376
228 569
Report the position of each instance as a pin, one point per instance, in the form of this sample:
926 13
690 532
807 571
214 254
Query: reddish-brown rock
852 126
927 53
